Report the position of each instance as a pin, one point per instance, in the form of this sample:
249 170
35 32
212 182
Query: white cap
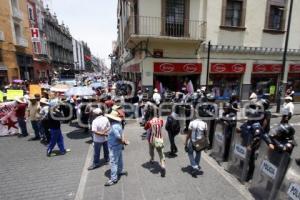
97 111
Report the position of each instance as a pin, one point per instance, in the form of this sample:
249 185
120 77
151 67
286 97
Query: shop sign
35 34
228 68
294 68
177 67
275 68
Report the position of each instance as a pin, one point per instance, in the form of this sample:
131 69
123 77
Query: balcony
164 28
21 42
17 14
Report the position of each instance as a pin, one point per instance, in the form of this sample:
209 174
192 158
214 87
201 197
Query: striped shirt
154 128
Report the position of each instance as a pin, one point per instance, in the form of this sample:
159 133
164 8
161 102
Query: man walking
100 129
173 129
116 142
20 114
33 115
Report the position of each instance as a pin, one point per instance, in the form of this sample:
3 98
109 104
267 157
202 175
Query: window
30 13
175 16
275 15
234 12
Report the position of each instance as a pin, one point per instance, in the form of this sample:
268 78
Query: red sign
35 33
294 68
178 67
274 68
228 68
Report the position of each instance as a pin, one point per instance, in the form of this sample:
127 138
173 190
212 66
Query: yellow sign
13 94
272 89
1 96
35 89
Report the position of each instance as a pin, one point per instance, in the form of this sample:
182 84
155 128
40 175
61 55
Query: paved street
26 172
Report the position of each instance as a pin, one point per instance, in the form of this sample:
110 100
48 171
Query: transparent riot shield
290 187
269 172
239 155
218 148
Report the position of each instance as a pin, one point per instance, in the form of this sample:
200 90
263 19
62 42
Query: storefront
175 76
294 80
133 73
264 79
225 79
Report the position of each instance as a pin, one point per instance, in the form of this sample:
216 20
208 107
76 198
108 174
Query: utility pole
280 92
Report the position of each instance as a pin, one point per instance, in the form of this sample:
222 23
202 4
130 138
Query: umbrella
60 88
80 91
97 85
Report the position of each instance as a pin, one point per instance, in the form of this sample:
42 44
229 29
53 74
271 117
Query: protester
155 138
100 129
44 122
33 115
55 131
20 111
116 142
156 97
253 97
288 107
197 134
173 129
290 92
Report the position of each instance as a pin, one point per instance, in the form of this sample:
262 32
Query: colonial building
41 61
60 48
165 42
15 42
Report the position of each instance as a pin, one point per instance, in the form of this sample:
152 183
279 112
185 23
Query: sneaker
124 173
51 154
92 167
67 150
163 172
110 183
194 172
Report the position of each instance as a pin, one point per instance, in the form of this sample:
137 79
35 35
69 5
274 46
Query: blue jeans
97 150
194 157
56 138
116 163
36 128
22 125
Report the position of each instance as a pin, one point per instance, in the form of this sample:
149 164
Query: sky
93 21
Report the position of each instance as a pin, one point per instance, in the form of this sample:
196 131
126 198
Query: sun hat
20 100
32 98
114 115
44 101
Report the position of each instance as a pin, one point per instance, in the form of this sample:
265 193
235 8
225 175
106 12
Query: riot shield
218 148
239 155
290 187
270 169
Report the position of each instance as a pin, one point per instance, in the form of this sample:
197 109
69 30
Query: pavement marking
234 182
84 175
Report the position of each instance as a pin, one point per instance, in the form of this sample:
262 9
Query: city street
26 172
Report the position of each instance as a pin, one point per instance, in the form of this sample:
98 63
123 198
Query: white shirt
288 108
101 123
197 127
156 97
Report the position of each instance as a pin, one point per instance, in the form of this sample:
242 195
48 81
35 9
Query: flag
8 119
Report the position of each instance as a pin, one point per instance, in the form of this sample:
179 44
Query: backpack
172 125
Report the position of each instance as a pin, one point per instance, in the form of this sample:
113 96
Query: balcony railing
164 27
22 42
17 13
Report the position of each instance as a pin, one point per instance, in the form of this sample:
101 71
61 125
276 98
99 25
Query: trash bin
239 155
290 187
269 172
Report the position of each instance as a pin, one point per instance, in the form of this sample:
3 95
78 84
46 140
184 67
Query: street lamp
280 92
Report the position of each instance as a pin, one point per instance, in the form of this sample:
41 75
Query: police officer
281 138
211 111
251 133
229 118
266 114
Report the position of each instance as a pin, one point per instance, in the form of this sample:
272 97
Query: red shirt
154 127
21 110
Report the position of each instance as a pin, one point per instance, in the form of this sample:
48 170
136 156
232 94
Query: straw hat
44 101
114 115
32 98
20 100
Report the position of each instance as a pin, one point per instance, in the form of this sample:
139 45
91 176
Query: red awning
177 67
236 68
269 68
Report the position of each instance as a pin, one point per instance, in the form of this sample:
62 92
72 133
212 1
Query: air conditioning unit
1 36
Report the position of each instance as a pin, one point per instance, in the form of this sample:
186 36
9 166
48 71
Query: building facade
15 42
60 47
165 42
41 61
78 53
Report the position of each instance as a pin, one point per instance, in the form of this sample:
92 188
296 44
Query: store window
275 15
234 12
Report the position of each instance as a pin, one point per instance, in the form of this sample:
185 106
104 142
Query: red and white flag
8 119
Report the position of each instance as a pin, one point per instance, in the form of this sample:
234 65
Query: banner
13 94
35 89
8 119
